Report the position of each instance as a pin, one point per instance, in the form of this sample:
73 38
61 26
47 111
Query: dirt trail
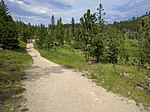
52 88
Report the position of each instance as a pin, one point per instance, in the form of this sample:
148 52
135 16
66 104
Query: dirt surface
52 88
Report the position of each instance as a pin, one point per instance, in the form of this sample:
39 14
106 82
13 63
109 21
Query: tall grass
12 65
118 79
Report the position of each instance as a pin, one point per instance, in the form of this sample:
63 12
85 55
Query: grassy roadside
12 64
118 79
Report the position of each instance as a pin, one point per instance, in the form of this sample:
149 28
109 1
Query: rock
126 74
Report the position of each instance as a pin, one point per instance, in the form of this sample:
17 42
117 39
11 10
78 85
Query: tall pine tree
8 32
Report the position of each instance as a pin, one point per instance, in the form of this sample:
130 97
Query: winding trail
52 88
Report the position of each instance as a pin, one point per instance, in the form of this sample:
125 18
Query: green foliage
144 42
60 32
52 23
112 51
89 30
73 27
98 47
26 31
41 39
134 43
101 14
118 43
147 49
51 37
8 32
112 48
92 35
52 26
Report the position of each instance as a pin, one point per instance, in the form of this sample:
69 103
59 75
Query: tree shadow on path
36 72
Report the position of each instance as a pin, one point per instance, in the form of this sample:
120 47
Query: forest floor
52 88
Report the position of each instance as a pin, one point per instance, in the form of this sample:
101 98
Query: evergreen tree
73 35
8 32
92 44
68 37
60 32
98 47
50 38
112 53
100 15
41 37
52 25
73 27
99 40
144 42
86 22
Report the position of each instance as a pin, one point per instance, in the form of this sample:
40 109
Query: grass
66 57
119 79
12 65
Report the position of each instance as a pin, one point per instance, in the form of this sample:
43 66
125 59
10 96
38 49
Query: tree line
125 42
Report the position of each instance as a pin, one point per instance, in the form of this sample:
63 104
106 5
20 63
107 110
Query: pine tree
73 35
100 15
88 31
73 27
8 31
98 47
144 42
52 25
112 54
50 38
41 37
60 32
98 39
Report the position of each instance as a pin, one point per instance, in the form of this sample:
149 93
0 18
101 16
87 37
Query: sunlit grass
12 64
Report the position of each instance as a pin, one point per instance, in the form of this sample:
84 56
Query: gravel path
52 88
